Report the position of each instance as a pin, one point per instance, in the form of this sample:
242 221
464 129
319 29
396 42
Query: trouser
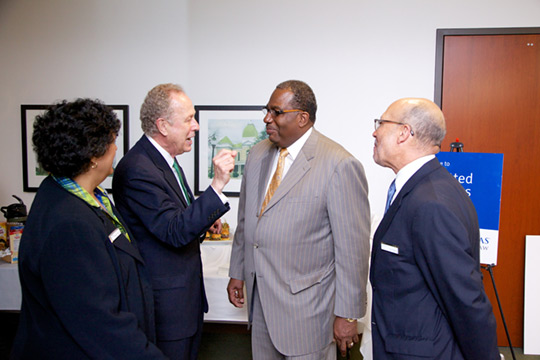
261 343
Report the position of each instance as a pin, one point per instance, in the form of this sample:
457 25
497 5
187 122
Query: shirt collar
74 188
294 148
170 161
168 158
409 170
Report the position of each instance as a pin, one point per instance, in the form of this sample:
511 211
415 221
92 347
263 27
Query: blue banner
480 174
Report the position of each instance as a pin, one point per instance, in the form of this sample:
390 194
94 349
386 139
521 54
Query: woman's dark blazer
85 293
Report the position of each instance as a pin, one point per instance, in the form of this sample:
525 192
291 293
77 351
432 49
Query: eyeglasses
379 122
276 112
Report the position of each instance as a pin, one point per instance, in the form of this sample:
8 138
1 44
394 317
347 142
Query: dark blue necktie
391 192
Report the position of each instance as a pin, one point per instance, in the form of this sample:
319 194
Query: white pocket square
390 248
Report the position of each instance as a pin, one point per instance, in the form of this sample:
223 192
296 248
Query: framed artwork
33 174
226 127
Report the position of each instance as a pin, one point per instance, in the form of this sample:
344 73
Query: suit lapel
188 189
171 180
298 169
120 242
164 168
426 169
264 174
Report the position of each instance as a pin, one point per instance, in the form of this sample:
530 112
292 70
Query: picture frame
235 127
33 175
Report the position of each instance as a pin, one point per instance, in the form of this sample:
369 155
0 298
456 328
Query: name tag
114 235
390 248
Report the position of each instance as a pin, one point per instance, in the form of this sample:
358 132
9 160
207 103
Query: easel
458 147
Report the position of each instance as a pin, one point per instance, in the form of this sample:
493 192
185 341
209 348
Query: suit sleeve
236 268
149 198
444 253
349 214
83 289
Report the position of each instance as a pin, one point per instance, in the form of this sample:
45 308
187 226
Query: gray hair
157 105
427 122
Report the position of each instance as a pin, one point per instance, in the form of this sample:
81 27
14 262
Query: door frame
439 50
438 99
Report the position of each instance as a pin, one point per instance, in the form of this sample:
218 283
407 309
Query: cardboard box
13 232
3 236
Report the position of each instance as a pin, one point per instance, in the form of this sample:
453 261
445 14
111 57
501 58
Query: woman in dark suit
84 286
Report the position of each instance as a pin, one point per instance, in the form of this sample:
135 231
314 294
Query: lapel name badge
114 235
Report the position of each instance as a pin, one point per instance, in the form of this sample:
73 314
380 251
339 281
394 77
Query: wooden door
488 87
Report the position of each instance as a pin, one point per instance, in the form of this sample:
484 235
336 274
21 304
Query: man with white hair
428 298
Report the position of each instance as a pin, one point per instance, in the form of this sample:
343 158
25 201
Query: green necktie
179 173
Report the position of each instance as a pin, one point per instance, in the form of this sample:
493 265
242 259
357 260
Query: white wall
63 49
358 56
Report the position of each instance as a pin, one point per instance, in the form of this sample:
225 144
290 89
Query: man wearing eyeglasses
302 242
428 297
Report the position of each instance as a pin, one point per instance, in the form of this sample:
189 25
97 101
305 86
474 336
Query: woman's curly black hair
69 134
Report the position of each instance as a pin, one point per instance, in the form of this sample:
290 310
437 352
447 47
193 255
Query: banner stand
489 268
458 147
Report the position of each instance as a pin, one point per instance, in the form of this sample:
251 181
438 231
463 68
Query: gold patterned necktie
276 179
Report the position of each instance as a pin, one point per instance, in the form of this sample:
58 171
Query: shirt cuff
222 196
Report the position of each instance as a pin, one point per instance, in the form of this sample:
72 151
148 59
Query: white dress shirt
170 161
408 171
294 150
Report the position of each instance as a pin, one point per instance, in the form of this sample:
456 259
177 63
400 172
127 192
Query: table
10 288
215 256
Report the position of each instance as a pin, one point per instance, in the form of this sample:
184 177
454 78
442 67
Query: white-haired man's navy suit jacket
428 297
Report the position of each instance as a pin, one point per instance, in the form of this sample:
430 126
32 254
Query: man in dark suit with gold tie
153 196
